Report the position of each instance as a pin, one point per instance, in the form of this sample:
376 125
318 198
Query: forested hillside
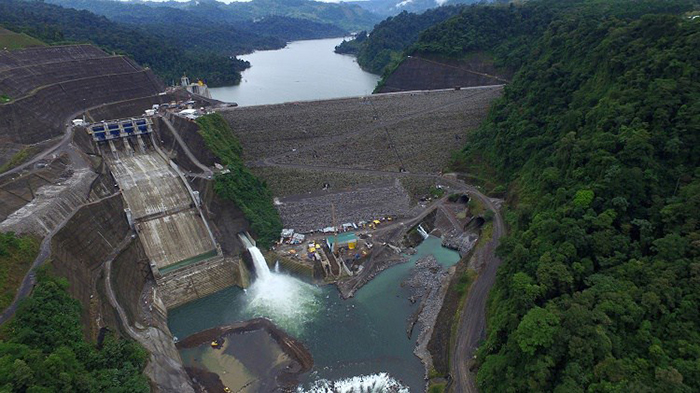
42 349
598 140
346 16
16 256
386 43
53 24
196 30
394 7
250 194
292 29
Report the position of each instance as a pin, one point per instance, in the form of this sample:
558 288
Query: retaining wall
130 272
198 280
48 54
78 251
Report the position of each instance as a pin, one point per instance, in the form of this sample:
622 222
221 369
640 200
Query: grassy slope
19 157
16 256
12 40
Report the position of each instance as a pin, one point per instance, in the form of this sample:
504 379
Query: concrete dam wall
162 210
184 257
126 270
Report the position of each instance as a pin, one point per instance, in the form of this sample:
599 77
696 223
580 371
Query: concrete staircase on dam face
184 257
163 212
197 280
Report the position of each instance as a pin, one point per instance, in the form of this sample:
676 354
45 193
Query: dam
165 212
133 221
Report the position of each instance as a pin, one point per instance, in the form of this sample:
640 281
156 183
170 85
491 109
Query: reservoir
361 336
301 71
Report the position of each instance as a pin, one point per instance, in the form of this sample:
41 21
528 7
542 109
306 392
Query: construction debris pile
314 213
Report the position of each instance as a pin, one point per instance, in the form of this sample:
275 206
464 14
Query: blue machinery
122 128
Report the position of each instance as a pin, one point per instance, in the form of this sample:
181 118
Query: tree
536 330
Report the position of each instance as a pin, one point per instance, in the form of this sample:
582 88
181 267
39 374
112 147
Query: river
301 71
364 335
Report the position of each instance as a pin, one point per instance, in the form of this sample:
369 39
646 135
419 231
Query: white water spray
259 262
290 303
376 383
277 267
422 232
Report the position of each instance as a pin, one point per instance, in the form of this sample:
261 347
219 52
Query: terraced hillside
44 87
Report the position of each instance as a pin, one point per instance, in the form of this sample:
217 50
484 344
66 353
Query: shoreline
295 349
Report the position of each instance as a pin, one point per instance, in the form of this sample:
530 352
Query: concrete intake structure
186 261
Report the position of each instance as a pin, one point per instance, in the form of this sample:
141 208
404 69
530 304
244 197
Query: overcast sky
223 1
231 1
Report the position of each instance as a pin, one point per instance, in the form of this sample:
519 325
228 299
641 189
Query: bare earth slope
416 131
418 73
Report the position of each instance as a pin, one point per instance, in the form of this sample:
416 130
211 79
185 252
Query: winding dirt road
472 323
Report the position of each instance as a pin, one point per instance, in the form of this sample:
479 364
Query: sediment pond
365 335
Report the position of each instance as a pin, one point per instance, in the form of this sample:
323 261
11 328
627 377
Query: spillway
183 254
164 214
422 232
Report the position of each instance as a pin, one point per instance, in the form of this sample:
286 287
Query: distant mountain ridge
208 30
394 7
57 25
351 17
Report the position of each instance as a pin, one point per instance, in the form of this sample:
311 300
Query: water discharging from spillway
291 303
422 232
358 344
288 302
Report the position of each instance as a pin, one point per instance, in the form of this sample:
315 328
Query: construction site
339 165
117 181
